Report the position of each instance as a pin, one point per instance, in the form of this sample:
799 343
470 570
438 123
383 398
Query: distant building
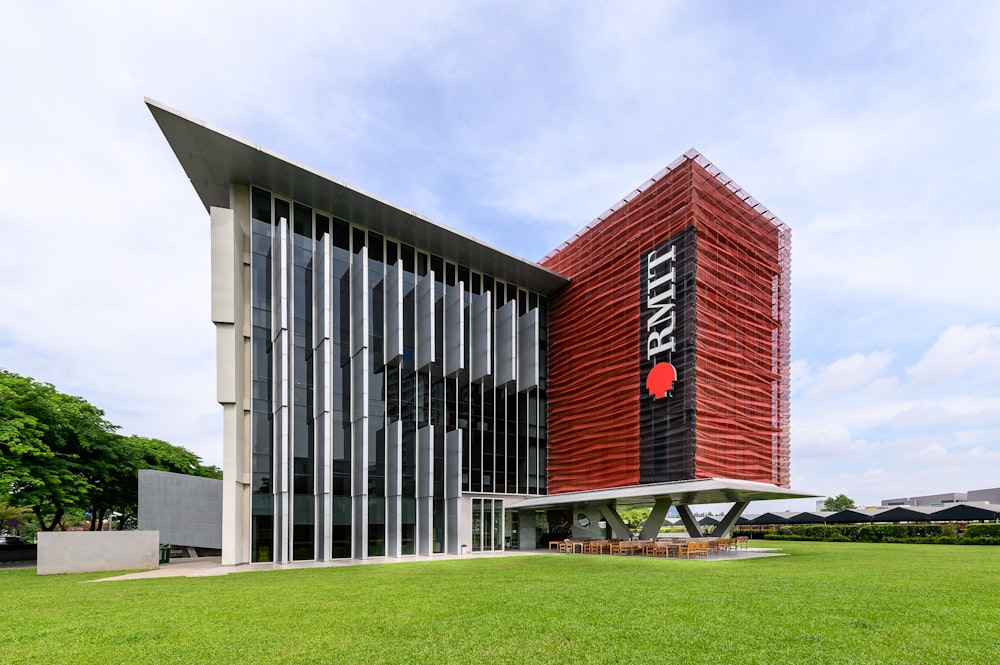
989 495
986 495
391 387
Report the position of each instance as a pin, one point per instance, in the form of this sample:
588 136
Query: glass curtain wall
502 448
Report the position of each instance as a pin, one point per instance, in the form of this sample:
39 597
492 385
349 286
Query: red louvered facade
688 269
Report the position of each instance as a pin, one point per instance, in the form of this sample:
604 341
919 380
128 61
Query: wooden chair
656 548
741 541
596 546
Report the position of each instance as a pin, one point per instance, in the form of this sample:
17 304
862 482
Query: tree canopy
838 503
634 517
59 453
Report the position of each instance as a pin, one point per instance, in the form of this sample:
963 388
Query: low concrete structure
97 551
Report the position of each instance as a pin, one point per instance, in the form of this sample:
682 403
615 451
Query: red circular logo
660 380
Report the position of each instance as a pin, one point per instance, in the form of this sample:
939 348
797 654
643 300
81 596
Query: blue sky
871 129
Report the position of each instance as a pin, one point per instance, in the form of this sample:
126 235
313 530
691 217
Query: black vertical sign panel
666 378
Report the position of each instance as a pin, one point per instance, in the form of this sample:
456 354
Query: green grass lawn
825 603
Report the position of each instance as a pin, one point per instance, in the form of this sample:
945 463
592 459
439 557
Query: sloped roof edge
212 159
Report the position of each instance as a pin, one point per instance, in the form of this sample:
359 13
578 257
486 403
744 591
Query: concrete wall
186 510
97 551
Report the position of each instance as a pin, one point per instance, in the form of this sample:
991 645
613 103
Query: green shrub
979 540
898 533
982 531
849 531
818 531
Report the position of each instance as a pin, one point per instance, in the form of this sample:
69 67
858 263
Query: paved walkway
212 565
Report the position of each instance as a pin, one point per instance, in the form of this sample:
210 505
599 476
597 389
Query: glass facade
487 525
387 383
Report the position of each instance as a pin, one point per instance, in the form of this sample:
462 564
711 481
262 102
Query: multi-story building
392 387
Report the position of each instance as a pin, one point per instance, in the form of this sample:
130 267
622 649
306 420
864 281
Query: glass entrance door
487 525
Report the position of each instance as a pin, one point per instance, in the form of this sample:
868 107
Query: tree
47 439
59 454
9 513
838 503
634 517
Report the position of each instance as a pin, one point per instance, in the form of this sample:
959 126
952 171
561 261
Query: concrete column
281 265
651 529
690 523
323 383
528 534
453 490
230 295
359 399
394 488
727 523
618 528
425 490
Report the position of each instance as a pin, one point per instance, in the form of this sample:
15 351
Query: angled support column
690 523
651 528
618 528
727 523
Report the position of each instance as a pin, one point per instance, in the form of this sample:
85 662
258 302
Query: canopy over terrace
771 519
905 514
681 495
968 512
852 516
959 512
811 517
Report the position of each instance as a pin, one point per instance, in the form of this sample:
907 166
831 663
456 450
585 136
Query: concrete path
212 565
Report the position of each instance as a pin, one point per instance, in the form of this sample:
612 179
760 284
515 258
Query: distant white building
973 496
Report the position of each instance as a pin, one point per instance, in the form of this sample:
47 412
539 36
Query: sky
871 129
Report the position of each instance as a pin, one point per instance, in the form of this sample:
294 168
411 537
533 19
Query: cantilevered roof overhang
213 159
683 493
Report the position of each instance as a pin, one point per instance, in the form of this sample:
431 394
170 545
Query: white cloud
871 130
971 353
856 373
897 430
